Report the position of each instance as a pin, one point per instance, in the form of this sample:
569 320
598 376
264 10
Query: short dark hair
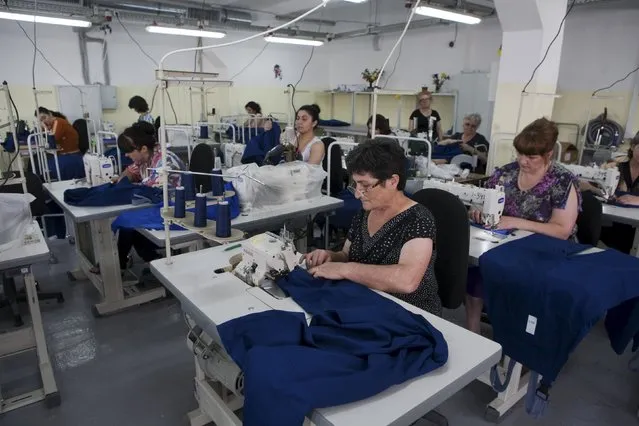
254 106
381 123
56 114
380 158
537 138
312 110
140 134
138 104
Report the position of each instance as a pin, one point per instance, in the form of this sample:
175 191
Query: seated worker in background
472 143
382 126
66 137
255 111
620 236
309 146
139 143
541 197
139 105
422 116
391 242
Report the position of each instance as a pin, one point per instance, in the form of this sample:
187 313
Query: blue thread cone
217 183
223 225
200 211
189 186
180 202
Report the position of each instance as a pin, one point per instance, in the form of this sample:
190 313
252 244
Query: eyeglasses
364 190
471 125
425 99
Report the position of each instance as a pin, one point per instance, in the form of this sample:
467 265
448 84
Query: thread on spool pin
200 211
223 224
217 183
189 186
180 202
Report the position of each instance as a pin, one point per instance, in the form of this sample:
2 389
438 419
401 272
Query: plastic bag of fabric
288 182
245 188
15 218
445 171
233 153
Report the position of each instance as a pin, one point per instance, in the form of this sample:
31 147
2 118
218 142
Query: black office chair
452 243
589 219
337 170
38 209
202 161
80 126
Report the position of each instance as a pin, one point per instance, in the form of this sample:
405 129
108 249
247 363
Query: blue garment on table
358 344
248 132
111 194
567 293
446 152
614 202
71 166
260 144
150 218
333 123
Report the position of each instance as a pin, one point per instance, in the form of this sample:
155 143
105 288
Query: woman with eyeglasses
472 142
424 118
541 197
391 242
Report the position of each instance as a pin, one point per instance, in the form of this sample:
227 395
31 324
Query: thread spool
189 186
200 211
204 130
223 224
217 183
180 202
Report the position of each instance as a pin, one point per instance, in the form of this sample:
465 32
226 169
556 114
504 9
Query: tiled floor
134 369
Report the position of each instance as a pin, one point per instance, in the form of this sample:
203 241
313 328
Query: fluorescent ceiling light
448 15
356 1
45 19
184 31
287 40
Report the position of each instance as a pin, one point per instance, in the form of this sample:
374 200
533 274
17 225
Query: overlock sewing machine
606 178
489 200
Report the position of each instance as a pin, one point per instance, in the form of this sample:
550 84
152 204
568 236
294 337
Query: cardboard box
569 153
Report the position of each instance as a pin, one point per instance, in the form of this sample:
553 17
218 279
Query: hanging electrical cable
616 82
126 30
561 25
250 63
399 54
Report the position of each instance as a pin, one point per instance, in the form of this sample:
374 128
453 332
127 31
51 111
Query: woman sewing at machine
255 111
139 105
620 236
391 237
309 146
382 126
472 142
541 197
66 137
139 143
425 118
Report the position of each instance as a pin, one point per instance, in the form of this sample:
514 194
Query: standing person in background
66 137
139 105
422 116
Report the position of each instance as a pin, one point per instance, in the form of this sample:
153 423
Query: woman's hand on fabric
467 148
317 258
268 125
631 200
330 271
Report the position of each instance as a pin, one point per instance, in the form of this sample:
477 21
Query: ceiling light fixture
448 15
290 40
45 19
157 29
356 1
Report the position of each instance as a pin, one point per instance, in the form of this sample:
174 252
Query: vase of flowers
371 77
439 80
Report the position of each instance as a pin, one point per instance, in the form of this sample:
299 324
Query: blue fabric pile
542 297
260 144
358 344
111 194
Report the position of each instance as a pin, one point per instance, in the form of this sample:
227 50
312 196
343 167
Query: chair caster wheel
491 415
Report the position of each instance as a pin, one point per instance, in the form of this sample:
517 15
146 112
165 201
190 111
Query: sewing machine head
98 169
606 178
265 258
490 201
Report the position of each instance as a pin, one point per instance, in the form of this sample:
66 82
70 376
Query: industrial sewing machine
265 258
489 200
98 169
607 179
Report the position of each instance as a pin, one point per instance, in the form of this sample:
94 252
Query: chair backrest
337 171
589 219
202 161
80 126
452 243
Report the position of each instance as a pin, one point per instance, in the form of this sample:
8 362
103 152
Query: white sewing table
356 130
256 219
18 261
211 299
628 216
95 244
